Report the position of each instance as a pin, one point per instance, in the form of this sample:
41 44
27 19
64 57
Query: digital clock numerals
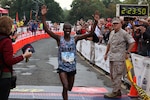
136 11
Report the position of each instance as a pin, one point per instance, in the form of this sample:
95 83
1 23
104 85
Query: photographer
127 21
142 34
7 59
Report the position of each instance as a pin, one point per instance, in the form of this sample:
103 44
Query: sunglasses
115 23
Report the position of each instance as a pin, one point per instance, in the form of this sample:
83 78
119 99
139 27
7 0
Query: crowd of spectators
139 28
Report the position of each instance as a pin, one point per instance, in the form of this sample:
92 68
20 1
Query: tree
66 15
131 1
84 9
55 12
106 3
25 7
111 10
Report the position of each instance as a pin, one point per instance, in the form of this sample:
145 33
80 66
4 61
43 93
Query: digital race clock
132 10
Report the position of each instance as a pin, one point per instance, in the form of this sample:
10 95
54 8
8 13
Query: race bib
67 57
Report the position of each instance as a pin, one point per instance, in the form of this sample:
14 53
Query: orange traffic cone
133 92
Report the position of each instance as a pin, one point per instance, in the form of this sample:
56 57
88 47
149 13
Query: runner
67 52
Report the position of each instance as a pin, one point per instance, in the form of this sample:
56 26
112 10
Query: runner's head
67 29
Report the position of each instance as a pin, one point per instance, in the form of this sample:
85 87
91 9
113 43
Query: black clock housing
133 10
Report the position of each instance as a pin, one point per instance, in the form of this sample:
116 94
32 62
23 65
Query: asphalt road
41 69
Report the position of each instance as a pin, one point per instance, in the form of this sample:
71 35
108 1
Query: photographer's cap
116 20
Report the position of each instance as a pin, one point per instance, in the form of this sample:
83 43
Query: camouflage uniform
118 45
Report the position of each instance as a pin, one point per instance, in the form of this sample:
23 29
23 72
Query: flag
30 14
17 19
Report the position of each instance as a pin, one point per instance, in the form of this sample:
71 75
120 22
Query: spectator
7 60
84 28
78 28
135 33
148 21
107 30
143 40
34 28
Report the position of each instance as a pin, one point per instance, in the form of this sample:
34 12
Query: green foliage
55 13
110 13
106 3
66 15
85 9
79 9
24 7
131 1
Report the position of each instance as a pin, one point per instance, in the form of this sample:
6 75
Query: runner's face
67 29
116 26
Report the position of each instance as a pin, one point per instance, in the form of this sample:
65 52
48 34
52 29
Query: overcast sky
65 4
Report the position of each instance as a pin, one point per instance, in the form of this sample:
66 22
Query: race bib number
67 56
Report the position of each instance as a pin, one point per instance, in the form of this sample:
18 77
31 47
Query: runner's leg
70 81
64 81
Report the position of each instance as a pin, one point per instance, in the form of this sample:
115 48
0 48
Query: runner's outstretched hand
96 16
44 10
